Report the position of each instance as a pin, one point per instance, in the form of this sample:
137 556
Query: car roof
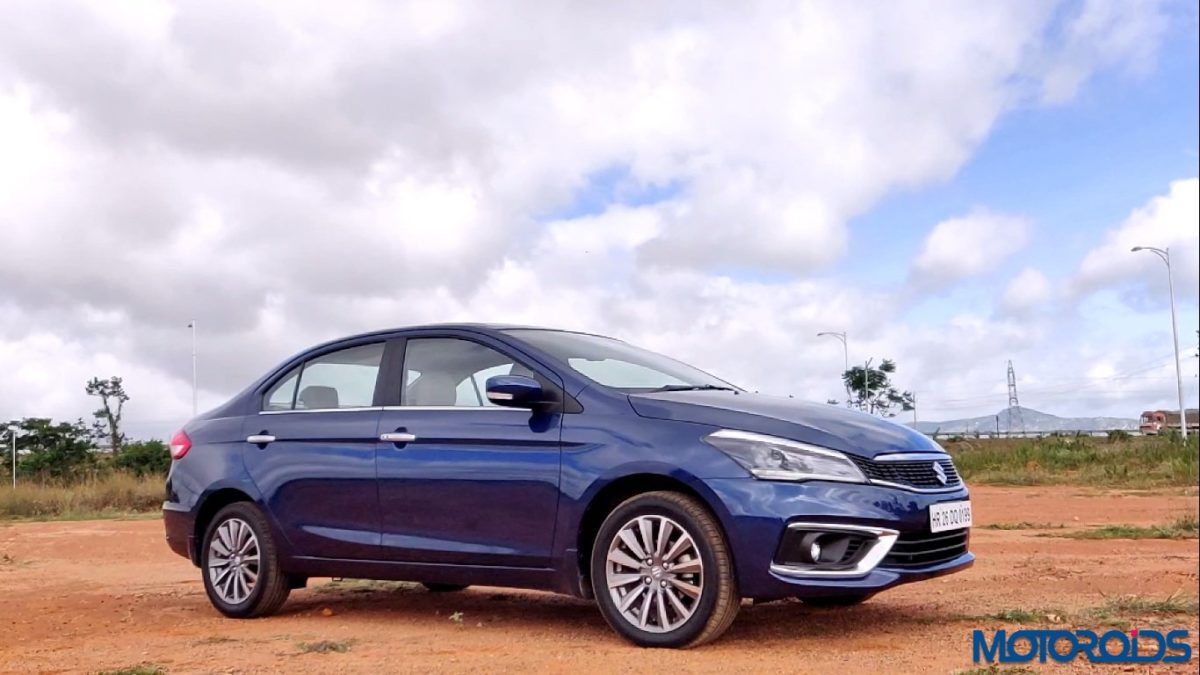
475 326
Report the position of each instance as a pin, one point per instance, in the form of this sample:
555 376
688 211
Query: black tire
718 602
272 586
443 588
837 600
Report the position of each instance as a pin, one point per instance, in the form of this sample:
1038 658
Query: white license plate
949 516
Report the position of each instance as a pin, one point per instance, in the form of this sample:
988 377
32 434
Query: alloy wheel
233 561
654 573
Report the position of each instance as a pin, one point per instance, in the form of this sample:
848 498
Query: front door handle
398 437
260 439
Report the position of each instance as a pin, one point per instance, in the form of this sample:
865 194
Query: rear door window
337 380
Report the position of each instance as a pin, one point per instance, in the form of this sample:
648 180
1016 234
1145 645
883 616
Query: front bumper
759 512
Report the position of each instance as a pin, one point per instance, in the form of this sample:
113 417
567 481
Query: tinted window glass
452 372
281 395
342 379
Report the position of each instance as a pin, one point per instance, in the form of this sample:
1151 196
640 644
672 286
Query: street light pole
12 431
867 385
1165 255
192 325
845 357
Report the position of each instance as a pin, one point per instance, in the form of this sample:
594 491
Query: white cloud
1104 32
286 172
967 246
1026 291
1170 220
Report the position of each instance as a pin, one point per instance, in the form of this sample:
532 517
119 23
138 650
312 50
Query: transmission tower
1014 406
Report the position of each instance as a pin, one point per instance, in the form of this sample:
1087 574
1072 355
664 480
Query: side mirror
514 391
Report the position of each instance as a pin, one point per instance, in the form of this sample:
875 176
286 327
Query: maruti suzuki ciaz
464 454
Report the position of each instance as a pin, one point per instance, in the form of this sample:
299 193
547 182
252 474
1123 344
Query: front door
460 479
311 452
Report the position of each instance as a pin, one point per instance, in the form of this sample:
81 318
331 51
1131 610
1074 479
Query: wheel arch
209 506
617 490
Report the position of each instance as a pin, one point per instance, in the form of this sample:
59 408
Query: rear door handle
397 437
260 439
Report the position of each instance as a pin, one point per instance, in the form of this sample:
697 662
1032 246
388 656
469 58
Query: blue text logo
1023 646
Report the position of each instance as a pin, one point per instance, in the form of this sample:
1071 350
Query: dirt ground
97 595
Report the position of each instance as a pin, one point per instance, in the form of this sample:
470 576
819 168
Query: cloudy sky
953 184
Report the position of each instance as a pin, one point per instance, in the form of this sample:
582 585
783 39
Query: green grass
214 640
1117 612
140 669
1186 527
1172 605
325 647
365 586
114 494
1024 525
1137 462
998 670
1120 612
1019 615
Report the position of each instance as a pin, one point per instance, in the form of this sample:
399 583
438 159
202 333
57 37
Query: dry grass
1138 462
1186 527
326 647
111 494
1116 611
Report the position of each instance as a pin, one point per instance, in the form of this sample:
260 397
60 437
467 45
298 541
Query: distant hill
1035 422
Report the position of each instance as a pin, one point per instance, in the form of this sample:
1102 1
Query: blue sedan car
454 455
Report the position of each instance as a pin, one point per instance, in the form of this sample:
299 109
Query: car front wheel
662 573
240 564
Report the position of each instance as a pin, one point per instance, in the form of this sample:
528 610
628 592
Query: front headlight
776 458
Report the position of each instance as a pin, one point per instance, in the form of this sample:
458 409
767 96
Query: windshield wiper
694 387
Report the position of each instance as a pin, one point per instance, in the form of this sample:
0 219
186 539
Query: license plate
949 516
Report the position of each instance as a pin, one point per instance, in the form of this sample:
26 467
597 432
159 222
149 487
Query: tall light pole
867 385
192 325
1165 254
845 357
12 431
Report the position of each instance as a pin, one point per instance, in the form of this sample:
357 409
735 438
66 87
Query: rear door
311 451
472 483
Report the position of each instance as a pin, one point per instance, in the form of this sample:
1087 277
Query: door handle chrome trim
260 439
397 437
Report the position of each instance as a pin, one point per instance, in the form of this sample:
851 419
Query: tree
112 400
53 449
871 390
144 458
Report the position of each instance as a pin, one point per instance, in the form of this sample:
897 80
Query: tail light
180 444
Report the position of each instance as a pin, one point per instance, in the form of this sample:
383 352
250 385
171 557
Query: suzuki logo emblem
940 473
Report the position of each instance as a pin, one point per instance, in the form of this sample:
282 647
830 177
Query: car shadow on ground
785 619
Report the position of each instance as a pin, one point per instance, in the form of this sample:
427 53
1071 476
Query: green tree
144 458
871 390
108 416
52 449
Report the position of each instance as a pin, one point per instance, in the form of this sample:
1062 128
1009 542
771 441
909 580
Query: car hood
825 425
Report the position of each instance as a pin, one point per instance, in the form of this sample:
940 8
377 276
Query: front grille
912 473
922 549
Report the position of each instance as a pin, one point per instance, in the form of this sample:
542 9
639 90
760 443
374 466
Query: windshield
617 364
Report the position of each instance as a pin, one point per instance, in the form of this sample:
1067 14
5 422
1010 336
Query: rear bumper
759 512
180 527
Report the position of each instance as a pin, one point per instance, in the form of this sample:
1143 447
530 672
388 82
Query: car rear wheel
662 573
240 564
